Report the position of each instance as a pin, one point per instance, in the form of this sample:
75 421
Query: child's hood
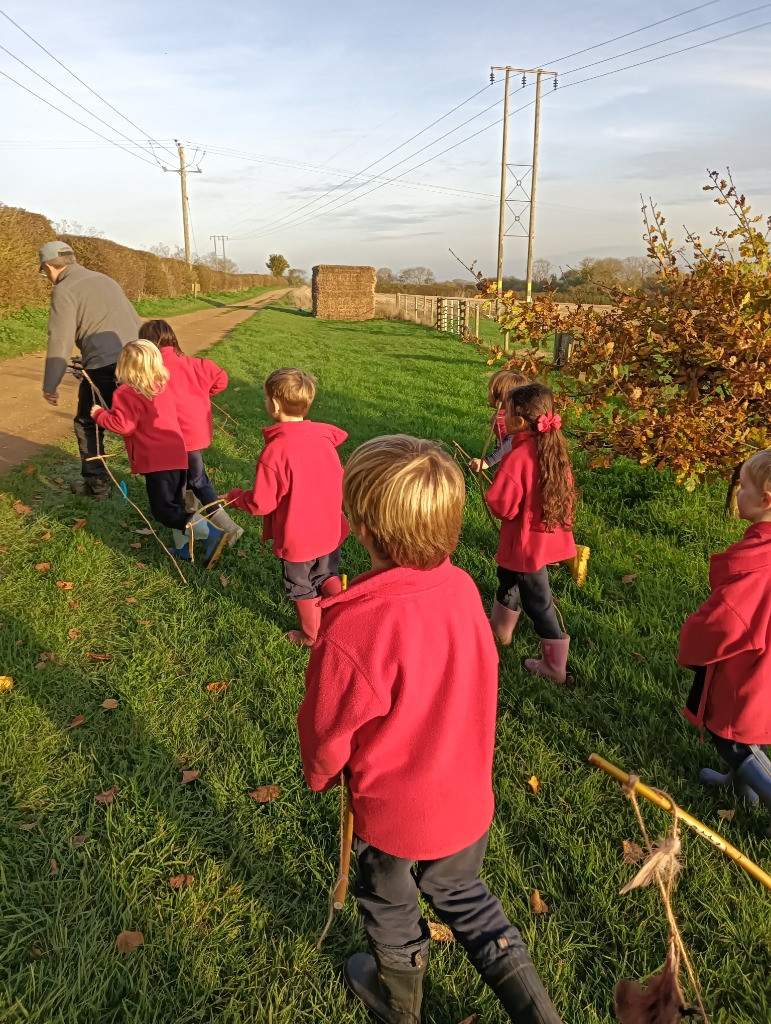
751 554
303 431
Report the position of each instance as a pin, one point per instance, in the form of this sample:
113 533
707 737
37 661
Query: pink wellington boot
503 621
331 586
309 614
553 661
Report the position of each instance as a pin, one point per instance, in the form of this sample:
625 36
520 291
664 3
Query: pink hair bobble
550 421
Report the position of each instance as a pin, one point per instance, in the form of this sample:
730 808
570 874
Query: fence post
462 316
563 348
476 320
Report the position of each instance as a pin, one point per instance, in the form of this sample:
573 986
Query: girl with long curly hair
533 496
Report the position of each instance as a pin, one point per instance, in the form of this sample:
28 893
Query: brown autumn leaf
630 578
4 551
131 600
726 815
110 704
78 524
28 826
107 795
136 546
534 784
537 905
6 683
54 868
44 657
440 932
36 951
181 881
141 565
43 566
77 841
217 687
76 721
469 1020
127 942
64 585
224 581
189 775
20 508
145 622
241 554
46 535
632 853
144 532
640 657
30 469
97 657
124 525
59 480
80 548
73 634
73 604
264 794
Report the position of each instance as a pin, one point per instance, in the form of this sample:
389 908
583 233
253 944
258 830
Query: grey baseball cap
53 250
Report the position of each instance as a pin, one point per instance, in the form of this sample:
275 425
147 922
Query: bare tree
417 275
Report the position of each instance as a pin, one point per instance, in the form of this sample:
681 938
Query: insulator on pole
555 81
524 81
492 77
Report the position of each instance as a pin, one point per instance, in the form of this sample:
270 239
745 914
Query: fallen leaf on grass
76 721
46 535
59 480
141 565
73 604
110 704
73 634
43 658
224 581
36 951
78 524
189 775
127 942
97 657
131 600
64 585
20 508
43 566
135 546
632 853
440 932
145 622
181 881
264 794
80 548
534 784
77 841
217 687
107 795
537 905
726 815
640 657
241 554
30 469
124 525
630 578
54 868
144 532
469 1020
6 683
28 826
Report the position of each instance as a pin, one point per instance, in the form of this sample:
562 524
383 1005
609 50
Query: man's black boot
390 983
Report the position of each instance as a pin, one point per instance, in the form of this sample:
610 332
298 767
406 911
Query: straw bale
343 293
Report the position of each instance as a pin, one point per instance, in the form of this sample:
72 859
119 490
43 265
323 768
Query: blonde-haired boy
298 490
401 694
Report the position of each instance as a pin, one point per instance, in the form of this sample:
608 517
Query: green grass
238 946
26 330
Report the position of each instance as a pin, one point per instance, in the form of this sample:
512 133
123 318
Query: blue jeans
197 480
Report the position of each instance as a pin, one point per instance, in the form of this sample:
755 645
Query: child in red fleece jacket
728 644
499 385
298 489
401 688
532 494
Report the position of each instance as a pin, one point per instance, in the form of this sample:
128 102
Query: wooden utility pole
531 226
223 239
502 209
183 172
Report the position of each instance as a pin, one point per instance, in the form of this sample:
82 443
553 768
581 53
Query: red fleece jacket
401 691
731 635
514 496
192 381
149 427
298 489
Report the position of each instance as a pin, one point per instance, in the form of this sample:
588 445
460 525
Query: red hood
751 554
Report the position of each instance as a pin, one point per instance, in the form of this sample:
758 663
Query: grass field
237 946
25 331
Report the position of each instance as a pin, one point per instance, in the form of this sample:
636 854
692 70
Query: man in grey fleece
90 311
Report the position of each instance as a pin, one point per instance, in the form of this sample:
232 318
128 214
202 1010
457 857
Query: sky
291 115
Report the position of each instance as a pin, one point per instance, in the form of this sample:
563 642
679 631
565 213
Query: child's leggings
532 590
166 493
197 479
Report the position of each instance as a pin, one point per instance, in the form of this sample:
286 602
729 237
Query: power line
77 79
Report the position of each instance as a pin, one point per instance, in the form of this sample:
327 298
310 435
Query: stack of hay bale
343 293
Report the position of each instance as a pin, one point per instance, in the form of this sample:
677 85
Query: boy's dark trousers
166 494
198 480
303 579
88 433
532 591
387 888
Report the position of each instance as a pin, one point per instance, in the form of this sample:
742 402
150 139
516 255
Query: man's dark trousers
88 434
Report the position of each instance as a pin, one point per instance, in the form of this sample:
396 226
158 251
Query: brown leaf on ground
78 524
76 721
124 525
127 942
80 548
110 704
43 566
59 480
217 687
145 622
3 551
20 508
144 532
73 634
54 870
44 657
107 795
6 683
632 853
189 775
726 815
241 554
28 826
36 951
469 1020
264 794
640 657
141 565
224 581
77 841
73 604
630 578
537 905
46 535
30 469
440 932
64 585
135 546
97 657
131 600
181 881
534 784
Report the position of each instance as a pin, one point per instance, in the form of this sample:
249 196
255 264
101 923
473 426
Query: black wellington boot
390 983
514 980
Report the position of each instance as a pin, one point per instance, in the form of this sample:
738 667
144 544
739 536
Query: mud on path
28 423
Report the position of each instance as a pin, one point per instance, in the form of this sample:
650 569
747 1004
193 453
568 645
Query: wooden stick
341 888
467 456
220 409
95 458
701 829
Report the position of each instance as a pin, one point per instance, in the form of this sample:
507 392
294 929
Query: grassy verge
237 946
25 331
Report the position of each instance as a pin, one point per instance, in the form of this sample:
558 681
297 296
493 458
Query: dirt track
28 423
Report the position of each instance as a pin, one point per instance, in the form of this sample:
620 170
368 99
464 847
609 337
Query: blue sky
314 93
